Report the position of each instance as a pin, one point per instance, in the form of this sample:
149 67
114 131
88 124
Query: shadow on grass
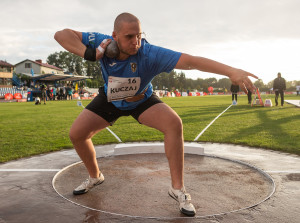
202 113
271 127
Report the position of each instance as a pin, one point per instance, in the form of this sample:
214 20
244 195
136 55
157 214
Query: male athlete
128 91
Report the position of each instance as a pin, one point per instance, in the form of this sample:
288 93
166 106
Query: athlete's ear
114 35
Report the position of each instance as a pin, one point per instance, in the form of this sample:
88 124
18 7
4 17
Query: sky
259 36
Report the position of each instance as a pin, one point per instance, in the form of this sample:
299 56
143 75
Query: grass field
27 129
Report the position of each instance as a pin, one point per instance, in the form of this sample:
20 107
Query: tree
93 69
67 61
181 80
260 84
201 84
72 63
211 81
161 81
270 84
224 83
172 79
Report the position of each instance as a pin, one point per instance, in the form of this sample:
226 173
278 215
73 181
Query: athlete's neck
123 56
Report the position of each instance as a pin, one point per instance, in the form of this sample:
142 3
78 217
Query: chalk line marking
79 103
266 175
282 171
211 123
29 170
293 102
114 134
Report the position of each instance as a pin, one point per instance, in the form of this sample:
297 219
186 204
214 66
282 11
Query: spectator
64 92
279 87
54 93
297 89
61 93
43 89
234 91
249 94
69 92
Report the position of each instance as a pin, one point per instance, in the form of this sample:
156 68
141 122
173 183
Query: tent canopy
57 77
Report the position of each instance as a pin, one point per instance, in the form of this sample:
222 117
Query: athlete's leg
282 97
249 97
276 97
163 118
83 129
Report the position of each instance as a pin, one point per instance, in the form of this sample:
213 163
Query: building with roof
28 75
37 67
6 74
39 71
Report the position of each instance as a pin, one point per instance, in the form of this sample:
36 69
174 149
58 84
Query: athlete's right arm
71 40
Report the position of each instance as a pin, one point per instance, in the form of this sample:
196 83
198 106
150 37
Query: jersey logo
91 38
112 64
133 67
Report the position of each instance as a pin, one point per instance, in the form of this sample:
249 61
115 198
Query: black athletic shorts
110 113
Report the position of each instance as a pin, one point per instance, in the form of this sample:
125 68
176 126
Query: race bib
119 88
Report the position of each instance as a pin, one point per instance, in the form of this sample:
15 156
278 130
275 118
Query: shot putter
79 103
112 50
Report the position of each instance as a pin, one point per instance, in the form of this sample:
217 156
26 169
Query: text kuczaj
130 88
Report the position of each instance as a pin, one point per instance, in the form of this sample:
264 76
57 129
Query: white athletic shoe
88 184
184 199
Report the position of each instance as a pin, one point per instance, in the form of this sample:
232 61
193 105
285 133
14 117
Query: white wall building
38 67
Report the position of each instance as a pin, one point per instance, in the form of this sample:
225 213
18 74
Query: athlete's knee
76 134
72 134
175 125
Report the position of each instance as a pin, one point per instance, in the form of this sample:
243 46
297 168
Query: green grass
27 129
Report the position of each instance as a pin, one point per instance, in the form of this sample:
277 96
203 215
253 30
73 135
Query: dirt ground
137 180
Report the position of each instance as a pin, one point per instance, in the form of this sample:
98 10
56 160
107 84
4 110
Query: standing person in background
249 96
279 87
54 93
43 89
298 90
64 92
234 91
61 93
50 93
128 91
31 84
69 91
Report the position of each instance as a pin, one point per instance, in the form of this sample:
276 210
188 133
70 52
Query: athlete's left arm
237 76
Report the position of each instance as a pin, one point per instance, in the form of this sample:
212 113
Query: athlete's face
128 39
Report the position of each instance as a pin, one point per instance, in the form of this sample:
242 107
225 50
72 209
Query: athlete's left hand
101 48
241 78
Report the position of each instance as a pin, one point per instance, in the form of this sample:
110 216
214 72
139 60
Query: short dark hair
124 17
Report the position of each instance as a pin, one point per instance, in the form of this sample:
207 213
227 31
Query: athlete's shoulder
148 48
93 39
159 59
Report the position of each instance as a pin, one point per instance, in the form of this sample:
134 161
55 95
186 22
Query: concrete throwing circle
136 185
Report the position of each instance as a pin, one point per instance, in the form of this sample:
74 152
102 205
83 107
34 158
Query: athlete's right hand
101 48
